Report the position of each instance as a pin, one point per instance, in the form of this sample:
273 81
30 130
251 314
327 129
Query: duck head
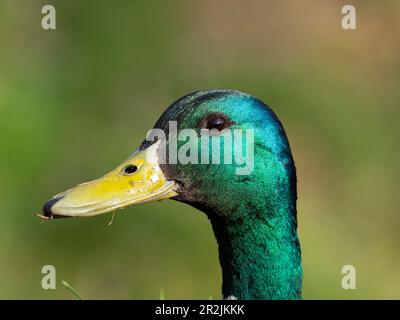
185 157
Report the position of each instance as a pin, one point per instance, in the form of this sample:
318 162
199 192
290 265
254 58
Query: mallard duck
253 215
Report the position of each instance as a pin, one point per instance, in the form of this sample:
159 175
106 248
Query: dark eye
130 169
216 122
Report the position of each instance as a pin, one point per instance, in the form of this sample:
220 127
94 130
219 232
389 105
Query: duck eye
130 169
216 122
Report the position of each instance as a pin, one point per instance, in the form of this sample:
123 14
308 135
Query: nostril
47 206
130 169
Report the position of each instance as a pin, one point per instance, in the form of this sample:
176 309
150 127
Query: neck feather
260 258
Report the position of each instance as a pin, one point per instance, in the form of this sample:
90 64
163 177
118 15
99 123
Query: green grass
72 290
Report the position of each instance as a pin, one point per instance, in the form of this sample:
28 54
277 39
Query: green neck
259 260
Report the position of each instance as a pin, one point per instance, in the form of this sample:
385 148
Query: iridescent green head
245 162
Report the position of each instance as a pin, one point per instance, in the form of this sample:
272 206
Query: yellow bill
137 180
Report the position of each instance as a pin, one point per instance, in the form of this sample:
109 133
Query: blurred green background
77 100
